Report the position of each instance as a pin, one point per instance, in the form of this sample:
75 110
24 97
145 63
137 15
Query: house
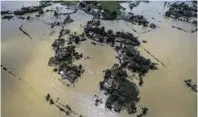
111 83
70 75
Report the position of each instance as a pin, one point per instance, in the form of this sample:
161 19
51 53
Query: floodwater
163 91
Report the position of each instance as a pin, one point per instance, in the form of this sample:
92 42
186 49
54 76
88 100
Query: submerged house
111 83
62 54
69 75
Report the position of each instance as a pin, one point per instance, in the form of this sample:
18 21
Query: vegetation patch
122 94
182 11
111 6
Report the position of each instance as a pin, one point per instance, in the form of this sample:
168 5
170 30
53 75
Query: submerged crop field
99 58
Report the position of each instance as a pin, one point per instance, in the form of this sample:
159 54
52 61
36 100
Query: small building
70 75
111 83
108 83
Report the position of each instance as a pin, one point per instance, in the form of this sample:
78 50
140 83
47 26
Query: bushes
124 97
182 10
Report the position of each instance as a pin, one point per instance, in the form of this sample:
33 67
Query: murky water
163 92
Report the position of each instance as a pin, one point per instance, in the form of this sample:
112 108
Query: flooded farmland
29 78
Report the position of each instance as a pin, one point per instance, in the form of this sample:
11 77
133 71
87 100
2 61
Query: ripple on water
90 110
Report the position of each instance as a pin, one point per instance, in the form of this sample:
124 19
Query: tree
77 39
40 11
144 110
114 13
55 14
107 73
88 9
110 32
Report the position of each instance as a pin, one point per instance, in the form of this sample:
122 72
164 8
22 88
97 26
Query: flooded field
163 92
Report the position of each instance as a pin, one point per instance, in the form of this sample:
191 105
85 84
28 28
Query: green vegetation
111 6
63 2
123 97
181 11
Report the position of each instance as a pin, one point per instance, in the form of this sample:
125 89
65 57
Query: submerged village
122 93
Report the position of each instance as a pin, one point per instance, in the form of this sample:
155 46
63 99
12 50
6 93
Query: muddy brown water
163 91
